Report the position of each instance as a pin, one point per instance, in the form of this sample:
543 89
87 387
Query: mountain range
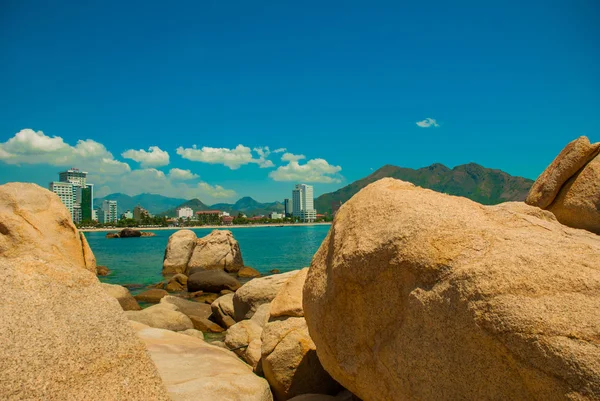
245 205
151 202
484 185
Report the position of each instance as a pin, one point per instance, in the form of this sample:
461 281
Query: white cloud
31 147
179 174
280 150
216 191
154 157
290 157
428 122
315 170
232 158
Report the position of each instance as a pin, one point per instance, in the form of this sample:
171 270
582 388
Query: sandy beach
213 227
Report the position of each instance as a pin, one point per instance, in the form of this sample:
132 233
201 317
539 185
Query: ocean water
139 260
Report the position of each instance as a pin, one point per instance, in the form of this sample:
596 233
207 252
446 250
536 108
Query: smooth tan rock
179 250
177 283
289 360
420 295
162 316
222 310
59 327
194 333
212 281
262 315
36 223
153 295
217 251
248 272
205 325
121 294
568 162
578 202
88 255
257 292
245 334
189 308
195 370
288 301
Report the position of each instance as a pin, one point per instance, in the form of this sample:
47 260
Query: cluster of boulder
413 295
438 297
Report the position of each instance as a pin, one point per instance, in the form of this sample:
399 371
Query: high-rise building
109 207
64 190
81 201
289 209
303 203
87 202
74 176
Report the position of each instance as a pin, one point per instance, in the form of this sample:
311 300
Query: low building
275 216
227 220
127 215
185 213
139 213
209 216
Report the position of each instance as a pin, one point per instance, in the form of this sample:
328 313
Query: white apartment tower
109 207
303 203
64 190
74 176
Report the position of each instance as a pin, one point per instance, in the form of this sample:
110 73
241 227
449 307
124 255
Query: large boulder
257 292
63 336
195 370
217 251
178 252
420 295
162 316
212 281
222 310
570 186
568 162
121 294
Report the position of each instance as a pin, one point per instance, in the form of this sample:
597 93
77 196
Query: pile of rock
419 295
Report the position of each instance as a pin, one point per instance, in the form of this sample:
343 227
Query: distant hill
249 206
245 205
481 184
196 205
151 202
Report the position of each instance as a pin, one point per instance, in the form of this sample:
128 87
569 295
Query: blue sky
343 84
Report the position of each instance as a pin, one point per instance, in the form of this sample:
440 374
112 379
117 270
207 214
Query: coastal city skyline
197 112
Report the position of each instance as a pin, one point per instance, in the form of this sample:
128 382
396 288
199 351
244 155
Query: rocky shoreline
413 295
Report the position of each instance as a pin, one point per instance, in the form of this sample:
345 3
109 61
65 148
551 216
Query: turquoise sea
139 260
